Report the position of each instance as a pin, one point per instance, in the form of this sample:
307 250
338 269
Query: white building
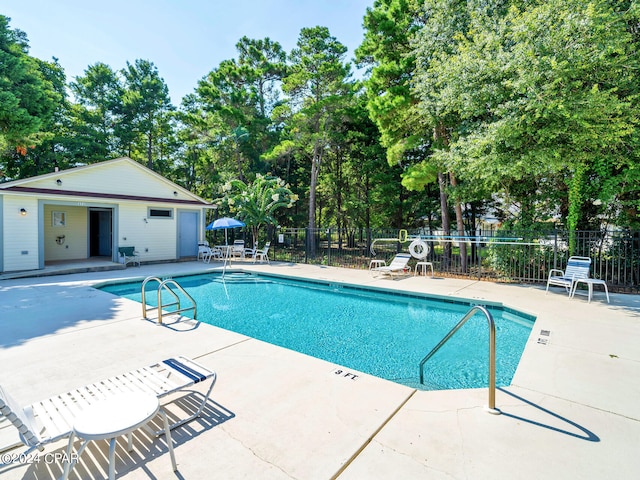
90 211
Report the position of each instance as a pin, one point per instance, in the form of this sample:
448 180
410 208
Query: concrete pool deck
572 411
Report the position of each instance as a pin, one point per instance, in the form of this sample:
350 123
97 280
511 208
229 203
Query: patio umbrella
225 223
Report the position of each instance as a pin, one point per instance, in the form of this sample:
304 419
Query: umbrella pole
224 265
226 256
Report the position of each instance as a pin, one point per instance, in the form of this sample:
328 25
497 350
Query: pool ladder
491 407
166 285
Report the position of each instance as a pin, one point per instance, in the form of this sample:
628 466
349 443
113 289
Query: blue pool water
383 334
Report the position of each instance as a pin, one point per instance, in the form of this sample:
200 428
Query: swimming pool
373 331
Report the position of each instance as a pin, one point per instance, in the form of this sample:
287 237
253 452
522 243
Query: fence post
307 244
479 251
555 248
328 246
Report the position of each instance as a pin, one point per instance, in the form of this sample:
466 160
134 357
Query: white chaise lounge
52 419
577 268
398 265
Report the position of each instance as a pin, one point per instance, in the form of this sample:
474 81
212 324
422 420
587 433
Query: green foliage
256 203
528 106
389 30
98 96
539 90
228 117
144 112
317 82
419 176
516 262
28 94
263 64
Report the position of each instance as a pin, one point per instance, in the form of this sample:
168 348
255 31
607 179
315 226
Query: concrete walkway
572 411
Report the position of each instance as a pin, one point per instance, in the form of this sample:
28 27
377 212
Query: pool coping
347 288
356 287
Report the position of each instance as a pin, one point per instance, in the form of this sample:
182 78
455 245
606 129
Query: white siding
154 239
117 177
75 232
20 234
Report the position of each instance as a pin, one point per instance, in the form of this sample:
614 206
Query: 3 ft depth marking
345 374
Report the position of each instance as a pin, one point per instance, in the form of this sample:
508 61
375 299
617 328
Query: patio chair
577 267
237 250
399 264
262 254
128 255
208 253
203 249
52 419
251 252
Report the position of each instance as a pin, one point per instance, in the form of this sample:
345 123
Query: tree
263 63
51 143
391 32
145 110
257 203
542 91
98 96
230 109
357 186
317 83
28 97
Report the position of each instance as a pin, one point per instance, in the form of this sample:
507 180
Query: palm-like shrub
256 203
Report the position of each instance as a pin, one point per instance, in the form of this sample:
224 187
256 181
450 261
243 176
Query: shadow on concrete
31 311
584 435
94 461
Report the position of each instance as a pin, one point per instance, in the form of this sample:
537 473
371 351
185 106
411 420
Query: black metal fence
486 255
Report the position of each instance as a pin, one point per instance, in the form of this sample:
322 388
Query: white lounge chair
577 267
399 264
52 419
262 254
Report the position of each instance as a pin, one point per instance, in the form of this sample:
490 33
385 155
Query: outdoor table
422 266
116 415
226 250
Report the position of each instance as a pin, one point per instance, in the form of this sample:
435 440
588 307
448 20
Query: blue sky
185 39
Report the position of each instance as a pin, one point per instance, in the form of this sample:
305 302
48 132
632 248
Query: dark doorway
100 232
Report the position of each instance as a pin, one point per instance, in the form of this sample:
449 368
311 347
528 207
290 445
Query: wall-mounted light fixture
23 212
59 182
175 194
145 220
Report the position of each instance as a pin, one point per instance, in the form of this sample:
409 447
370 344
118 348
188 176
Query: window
160 213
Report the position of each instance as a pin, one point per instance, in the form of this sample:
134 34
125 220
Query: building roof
96 181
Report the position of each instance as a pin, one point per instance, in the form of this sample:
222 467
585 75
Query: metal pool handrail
491 407
144 295
164 284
